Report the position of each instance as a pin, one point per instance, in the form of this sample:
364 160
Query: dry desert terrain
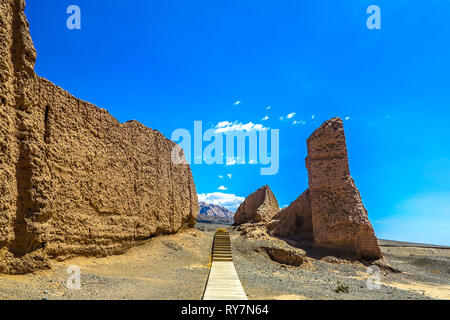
176 267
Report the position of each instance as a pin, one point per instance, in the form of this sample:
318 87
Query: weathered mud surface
73 180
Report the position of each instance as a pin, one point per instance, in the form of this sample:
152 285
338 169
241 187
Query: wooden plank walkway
223 282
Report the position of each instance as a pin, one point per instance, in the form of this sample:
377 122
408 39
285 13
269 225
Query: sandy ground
176 267
168 267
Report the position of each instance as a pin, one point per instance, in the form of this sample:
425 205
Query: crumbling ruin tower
330 213
73 180
260 206
339 217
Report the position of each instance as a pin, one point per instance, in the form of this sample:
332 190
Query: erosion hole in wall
46 124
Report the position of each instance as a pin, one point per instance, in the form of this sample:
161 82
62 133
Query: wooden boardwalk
223 282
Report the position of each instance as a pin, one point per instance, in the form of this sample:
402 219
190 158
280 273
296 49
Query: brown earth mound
260 206
291 256
73 180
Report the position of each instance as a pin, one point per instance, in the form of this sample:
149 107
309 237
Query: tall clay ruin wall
73 180
331 212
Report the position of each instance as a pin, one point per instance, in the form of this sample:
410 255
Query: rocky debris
214 213
330 212
173 245
260 206
385 266
73 180
287 256
252 230
333 260
278 250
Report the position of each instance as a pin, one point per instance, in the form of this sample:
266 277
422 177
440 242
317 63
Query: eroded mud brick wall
73 180
339 218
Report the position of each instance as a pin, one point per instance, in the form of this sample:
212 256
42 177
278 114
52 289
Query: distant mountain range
213 213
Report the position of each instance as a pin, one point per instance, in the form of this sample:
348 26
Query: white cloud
313 116
222 188
223 124
268 107
230 176
226 126
237 103
347 118
291 115
302 122
220 177
229 201
265 118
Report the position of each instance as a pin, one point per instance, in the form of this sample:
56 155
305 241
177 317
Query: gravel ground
425 274
176 267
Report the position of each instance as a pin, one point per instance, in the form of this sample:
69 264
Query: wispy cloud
226 126
265 118
231 162
313 116
347 118
229 176
301 122
222 188
291 115
237 103
220 177
268 107
229 201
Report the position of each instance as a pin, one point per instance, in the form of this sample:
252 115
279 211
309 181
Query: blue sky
170 63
